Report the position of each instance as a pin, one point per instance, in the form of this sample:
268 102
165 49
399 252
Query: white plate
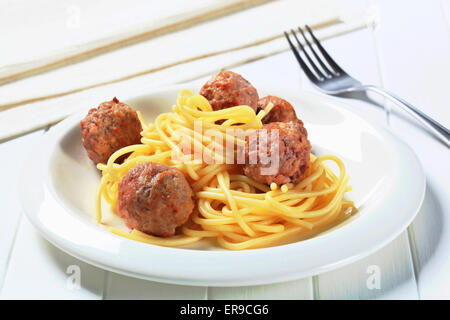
58 186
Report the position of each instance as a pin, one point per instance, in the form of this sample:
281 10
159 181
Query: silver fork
329 78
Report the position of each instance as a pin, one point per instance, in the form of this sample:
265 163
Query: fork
331 79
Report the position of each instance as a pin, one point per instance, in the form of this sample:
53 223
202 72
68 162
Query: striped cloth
170 47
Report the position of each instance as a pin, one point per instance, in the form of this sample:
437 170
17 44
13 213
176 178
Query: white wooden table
409 53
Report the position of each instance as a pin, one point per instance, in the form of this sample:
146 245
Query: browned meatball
155 199
292 162
108 128
229 89
282 110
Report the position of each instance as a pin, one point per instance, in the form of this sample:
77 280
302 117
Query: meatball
108 128
288 161
155 199
282 110
229 89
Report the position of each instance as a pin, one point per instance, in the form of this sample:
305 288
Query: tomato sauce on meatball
155 199
229 89
293 150
282 110
108 128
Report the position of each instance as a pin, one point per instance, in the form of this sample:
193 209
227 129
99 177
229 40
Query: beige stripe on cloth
37 101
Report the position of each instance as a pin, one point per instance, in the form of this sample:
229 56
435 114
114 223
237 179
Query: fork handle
435 127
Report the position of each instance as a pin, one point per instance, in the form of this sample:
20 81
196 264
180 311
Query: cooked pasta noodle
236 211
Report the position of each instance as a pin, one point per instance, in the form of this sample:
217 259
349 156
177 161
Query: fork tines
316 69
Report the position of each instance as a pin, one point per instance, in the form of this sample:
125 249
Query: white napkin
43 36
176 57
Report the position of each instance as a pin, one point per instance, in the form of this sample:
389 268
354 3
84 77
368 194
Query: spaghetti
236 211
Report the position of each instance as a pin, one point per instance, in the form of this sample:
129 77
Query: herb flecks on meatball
287 155
108 128
155 199
229 89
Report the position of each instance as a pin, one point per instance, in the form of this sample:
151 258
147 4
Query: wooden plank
14 153
51 273
423 56
38 270
292 290
394 260
446 11
386 274
122 287
421 78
